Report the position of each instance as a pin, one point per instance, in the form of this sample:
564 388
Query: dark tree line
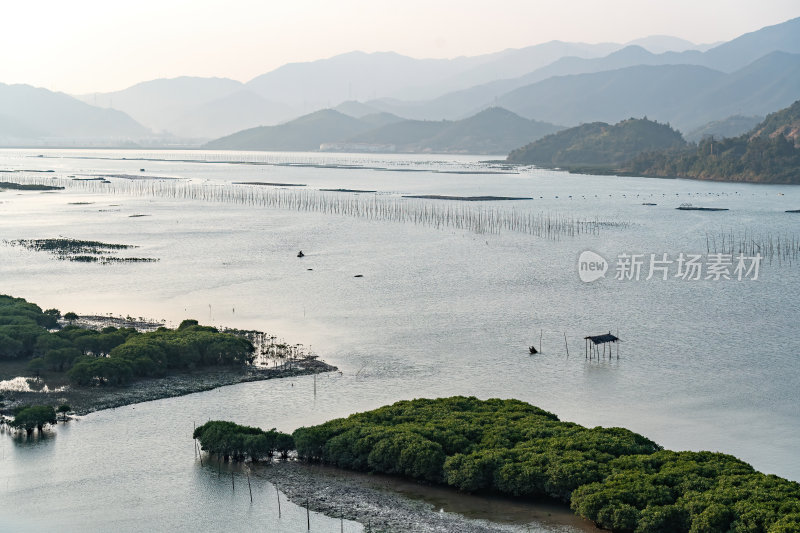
617 478
32 417
744 158
112 355
232 441
770 153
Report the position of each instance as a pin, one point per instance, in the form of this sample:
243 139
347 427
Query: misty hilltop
598 144
665 78
29 115
492 131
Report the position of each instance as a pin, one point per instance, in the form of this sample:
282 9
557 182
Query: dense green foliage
744 158
619 479
598 144
63 409
227 439
689 491
36 416
154 354
770 153
111 355
503 445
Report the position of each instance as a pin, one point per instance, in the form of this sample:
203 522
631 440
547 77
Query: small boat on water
533 350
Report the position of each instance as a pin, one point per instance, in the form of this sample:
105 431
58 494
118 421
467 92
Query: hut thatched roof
602 339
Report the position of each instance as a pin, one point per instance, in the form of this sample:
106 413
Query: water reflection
705 365
38 439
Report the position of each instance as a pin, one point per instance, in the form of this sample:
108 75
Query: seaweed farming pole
478 219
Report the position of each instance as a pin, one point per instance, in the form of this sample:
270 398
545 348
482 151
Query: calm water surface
705 365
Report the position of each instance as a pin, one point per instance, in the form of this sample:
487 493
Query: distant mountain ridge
297 88
30 114
686 96
492 131
663 77
726 58
192 107
306 133
158 102
656 91
728 127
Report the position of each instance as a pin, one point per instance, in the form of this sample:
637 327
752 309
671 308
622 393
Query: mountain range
30 115
492 131
725 58
661 77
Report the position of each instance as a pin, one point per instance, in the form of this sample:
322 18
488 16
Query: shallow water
703 364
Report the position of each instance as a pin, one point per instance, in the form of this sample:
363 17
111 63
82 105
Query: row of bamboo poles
440 214
270 351
772 246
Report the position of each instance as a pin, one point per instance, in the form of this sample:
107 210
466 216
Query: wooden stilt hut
593 342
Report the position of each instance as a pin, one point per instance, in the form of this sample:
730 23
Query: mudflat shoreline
388 504
89 399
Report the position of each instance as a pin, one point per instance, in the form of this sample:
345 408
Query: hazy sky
82 46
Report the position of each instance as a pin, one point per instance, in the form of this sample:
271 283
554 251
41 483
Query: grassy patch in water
81 251
28 187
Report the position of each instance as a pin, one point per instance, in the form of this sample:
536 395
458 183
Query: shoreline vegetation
85 401
96 362
616 478
769 153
